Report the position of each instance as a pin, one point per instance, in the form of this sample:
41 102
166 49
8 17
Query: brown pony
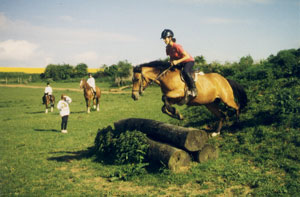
211 88
49 101
89 96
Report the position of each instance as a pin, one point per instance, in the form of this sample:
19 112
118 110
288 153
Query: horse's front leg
46 111
88 102
97 103
169 110
52 105
94 103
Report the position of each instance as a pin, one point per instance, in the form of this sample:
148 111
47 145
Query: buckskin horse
212 88
49 100
89 95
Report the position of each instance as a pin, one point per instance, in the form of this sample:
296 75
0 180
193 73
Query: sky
36 33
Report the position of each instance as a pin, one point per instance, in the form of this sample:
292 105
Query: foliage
64 72
118 73
81 70
121 148
18 77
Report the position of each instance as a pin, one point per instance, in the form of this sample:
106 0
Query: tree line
285 62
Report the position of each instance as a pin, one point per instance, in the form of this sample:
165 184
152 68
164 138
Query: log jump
189 139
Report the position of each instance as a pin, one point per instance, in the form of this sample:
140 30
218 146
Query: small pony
49 101
212 88
89 95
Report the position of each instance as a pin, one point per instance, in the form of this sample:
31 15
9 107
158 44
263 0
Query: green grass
37 160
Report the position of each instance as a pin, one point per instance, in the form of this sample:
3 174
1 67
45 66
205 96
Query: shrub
121 148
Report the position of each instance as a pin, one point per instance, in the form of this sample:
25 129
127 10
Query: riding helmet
167 33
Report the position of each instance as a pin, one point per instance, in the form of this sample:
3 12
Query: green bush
121 148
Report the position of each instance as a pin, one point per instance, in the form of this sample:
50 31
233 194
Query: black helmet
167 33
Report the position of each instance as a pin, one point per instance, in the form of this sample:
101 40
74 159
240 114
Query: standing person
64 111
92 83
180 58
48 91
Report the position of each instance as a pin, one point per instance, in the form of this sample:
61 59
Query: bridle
144 79
141 87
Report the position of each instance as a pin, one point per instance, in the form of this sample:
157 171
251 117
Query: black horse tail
239 94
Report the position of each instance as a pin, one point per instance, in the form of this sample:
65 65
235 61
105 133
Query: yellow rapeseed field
34 70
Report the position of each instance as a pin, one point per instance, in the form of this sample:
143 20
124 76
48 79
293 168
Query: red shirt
176 52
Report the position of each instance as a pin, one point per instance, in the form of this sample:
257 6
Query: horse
49 101
212 88
89 95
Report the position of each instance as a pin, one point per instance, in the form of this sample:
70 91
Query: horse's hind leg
231 103
94 103
214 108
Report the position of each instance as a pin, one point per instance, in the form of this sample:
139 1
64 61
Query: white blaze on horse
90 96
211 87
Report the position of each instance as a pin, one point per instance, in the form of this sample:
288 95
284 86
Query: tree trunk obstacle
170 156
189 139
170 144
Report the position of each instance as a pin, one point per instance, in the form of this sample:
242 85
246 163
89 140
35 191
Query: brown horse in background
49 101
89 95
211 88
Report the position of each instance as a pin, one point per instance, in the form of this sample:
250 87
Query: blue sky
35 33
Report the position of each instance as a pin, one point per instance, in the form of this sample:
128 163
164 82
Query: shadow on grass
47 130
36 112
78 112
76 155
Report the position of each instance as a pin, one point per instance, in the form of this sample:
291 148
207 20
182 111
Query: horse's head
82 82
139 83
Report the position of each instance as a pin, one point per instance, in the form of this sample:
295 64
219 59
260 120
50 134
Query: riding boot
44 99
191 85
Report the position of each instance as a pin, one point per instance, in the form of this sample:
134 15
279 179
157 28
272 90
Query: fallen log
208 152
189 139
170 156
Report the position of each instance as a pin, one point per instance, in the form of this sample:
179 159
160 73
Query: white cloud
52 44
86 57
17 50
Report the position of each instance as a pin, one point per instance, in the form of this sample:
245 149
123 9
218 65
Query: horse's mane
159 64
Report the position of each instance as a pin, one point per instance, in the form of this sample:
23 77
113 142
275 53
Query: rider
92 83
48 91
178 56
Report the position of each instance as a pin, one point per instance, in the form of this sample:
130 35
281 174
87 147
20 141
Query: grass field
37 160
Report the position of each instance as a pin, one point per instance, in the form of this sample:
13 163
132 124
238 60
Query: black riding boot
44 99
191 85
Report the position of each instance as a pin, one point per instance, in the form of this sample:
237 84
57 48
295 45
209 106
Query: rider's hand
174 63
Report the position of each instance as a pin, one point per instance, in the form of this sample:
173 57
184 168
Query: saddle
195 75
187 96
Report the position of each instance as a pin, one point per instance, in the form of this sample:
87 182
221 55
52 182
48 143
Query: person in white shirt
92 83
48 91
64 111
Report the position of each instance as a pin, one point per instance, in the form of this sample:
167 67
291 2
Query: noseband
141 84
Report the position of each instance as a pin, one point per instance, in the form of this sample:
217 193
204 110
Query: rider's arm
186 56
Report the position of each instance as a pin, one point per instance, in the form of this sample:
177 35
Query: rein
162 73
